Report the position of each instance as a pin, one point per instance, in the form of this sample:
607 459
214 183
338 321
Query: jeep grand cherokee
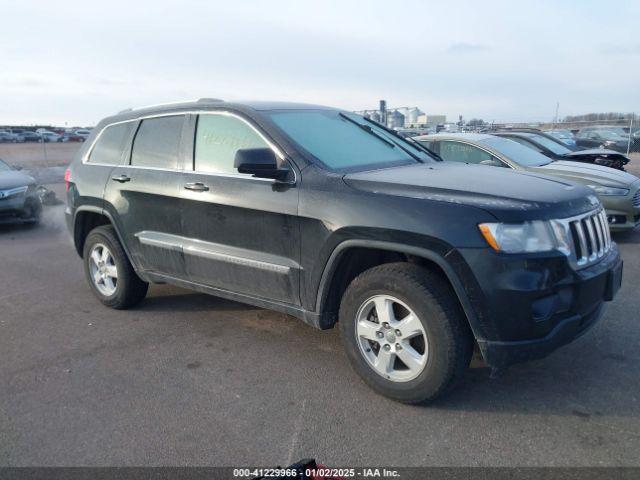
324 215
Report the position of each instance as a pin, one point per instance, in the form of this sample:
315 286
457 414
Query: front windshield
554 146
614 134
4 167
565 134
345 141
516 152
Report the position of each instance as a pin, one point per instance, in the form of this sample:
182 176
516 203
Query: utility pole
630 133
555 119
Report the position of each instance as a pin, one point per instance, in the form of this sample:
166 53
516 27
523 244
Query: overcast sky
77 62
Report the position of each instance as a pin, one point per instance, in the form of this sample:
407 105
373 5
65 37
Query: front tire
109 272
404 332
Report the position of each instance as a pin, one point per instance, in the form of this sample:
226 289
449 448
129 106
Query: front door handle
121 178
197 187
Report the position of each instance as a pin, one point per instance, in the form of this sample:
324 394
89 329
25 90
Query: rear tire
438 348
109 272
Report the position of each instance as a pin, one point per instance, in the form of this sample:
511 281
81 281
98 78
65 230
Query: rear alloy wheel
109 272
404 331
104 271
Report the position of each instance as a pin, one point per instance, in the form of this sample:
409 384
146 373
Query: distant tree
476 122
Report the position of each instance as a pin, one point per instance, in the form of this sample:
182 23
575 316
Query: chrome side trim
224 257
218 252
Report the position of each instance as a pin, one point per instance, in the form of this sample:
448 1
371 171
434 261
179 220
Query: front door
241 233
144 193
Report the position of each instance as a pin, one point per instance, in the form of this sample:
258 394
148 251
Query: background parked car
49 136
618 191
6 136
553 148
30 136
614 138
75 136
19 197
565 136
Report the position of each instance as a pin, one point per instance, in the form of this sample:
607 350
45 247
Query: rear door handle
197 187
121 178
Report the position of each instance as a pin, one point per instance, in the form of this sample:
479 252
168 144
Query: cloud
26 82
620 49
467 48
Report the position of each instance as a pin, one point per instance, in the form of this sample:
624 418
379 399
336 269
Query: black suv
327 216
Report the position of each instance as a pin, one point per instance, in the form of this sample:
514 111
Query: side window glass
218 138
110 144
462 152
431 145
157 142
526 143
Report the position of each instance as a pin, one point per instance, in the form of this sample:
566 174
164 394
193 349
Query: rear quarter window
110 144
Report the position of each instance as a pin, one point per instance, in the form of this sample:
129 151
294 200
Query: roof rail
126 110
210 100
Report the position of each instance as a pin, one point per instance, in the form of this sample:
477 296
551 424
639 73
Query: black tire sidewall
435 374
93 238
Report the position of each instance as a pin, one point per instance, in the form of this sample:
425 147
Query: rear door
241 233
104 154
144 195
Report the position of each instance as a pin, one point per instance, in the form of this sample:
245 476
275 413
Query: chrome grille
591 238
636 199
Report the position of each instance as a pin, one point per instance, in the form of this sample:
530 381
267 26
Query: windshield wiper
428 151
417 145
368 129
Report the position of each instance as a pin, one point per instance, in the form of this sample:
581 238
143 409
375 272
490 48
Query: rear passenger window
157 142
462 152
218 138
110 144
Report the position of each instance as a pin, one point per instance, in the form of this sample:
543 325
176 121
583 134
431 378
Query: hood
588 173
594 153
509 195
12 179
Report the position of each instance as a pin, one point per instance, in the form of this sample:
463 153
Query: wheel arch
88 217
332 281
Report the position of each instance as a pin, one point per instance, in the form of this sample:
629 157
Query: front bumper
528 306
623 209
12 206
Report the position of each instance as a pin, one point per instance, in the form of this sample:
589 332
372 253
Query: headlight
12 192
602 190
527 237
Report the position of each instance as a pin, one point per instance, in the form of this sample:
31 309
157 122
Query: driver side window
218 138
465 153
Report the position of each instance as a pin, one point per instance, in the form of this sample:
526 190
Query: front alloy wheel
404 331
391 338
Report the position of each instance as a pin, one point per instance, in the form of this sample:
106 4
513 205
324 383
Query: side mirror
259 162
16 167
